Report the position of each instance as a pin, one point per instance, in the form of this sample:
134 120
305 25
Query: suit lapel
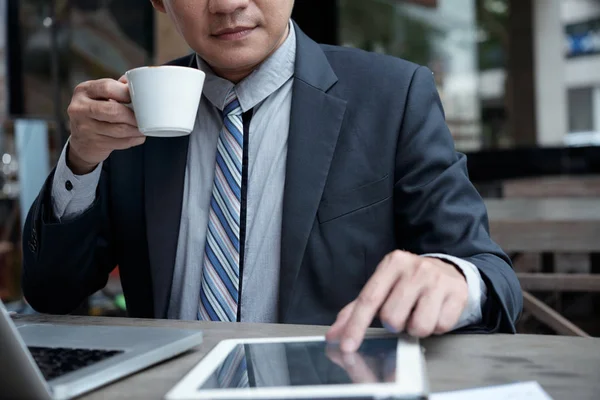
316 119
165 160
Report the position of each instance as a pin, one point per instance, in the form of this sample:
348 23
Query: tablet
307 368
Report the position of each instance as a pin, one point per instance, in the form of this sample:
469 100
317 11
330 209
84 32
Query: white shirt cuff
72 194
472 314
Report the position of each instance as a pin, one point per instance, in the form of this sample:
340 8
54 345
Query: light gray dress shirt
268 91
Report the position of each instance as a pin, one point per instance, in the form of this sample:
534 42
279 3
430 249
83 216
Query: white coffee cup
165 99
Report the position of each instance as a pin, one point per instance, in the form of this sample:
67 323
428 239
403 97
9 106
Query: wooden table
567 367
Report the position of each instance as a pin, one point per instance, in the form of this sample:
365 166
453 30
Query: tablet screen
259 365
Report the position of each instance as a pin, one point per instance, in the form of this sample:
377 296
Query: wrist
77 165
449 266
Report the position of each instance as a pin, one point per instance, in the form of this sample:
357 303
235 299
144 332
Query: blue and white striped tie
219 290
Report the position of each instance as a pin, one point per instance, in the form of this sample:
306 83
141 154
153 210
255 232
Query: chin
237 61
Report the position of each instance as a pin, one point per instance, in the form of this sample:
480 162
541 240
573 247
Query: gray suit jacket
371 168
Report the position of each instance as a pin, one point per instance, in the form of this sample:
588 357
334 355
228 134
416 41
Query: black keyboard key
55 362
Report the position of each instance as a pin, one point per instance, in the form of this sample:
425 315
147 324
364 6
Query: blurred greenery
368 25
384 26
493 31
120 302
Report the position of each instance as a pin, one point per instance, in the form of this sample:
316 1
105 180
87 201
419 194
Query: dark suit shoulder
352 61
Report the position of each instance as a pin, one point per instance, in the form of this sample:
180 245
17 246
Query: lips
234 33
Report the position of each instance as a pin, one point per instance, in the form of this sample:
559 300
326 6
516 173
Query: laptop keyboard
55 362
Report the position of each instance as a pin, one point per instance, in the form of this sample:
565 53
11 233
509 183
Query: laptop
56 362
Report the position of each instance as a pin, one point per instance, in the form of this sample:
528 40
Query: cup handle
131 94
130 86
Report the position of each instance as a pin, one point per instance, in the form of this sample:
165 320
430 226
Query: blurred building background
530 77
519 80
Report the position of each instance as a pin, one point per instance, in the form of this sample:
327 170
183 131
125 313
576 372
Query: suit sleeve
443 211
66 261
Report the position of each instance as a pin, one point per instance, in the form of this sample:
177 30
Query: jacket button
68 185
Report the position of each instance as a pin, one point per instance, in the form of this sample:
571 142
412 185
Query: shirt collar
265 80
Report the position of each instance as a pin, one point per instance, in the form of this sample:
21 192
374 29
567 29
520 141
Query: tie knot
232 107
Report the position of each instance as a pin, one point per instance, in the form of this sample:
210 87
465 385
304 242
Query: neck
240 74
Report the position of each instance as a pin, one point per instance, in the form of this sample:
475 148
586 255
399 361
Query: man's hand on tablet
419 295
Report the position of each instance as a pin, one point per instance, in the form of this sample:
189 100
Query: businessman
320 186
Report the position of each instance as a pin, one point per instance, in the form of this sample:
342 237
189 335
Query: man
351 208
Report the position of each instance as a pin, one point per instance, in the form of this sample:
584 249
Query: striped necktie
219 289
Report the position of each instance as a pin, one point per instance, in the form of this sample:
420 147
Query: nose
227 6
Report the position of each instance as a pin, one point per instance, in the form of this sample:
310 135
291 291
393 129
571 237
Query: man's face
230 35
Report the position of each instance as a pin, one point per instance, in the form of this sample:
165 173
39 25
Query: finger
426 314
450 313
106 143
123 79
397 308
111 111
106 89
403 299
127 143
342 318
371 299
116 131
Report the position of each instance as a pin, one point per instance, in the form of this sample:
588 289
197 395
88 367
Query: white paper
517 391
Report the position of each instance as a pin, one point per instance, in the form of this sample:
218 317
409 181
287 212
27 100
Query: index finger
108 89
369 302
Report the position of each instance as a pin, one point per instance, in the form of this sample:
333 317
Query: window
581 106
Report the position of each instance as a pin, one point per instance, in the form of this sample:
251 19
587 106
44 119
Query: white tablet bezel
411 381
